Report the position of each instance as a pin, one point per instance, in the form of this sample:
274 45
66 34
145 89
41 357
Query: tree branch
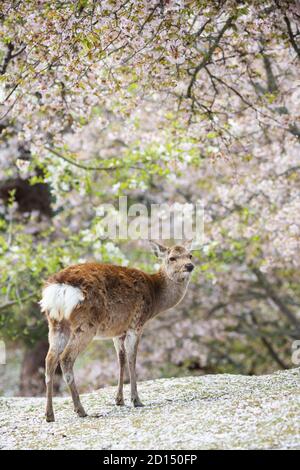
289 171
289 30
84 167
208 55
276 299
7 58
291 36
269 346
14 302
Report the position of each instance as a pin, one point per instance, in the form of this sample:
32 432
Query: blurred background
164 102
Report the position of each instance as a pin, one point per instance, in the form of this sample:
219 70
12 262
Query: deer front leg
120 349
131 345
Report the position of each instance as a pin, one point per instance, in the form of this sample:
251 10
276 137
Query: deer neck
168 292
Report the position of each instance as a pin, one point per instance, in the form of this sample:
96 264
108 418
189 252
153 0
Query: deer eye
172 258
190 256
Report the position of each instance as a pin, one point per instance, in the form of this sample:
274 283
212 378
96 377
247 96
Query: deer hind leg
58 338
78 341
120 349
131 345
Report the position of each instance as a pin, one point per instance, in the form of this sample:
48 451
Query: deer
91 299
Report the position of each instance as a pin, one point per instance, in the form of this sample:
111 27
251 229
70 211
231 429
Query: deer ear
188 244
159 250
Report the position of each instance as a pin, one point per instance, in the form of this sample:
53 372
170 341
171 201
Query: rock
205 412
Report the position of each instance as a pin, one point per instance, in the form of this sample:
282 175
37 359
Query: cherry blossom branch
250 105
268 345
79 165
151 14
290 32
208 55
289 171
9 56
276 299
86 167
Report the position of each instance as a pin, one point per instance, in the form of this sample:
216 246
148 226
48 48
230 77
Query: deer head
176 260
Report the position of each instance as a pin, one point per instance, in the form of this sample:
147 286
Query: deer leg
77 343
120 349
131 345
57 340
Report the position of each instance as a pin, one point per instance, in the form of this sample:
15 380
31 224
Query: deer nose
189 267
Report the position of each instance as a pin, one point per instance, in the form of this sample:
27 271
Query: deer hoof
120 401
50 417
81 413
137 403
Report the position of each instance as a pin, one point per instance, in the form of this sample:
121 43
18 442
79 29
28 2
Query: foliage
161 101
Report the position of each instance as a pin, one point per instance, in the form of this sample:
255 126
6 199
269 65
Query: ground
207 412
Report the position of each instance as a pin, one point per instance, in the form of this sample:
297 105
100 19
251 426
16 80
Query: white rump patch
59 300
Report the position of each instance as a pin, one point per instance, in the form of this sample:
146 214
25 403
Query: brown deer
93 299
